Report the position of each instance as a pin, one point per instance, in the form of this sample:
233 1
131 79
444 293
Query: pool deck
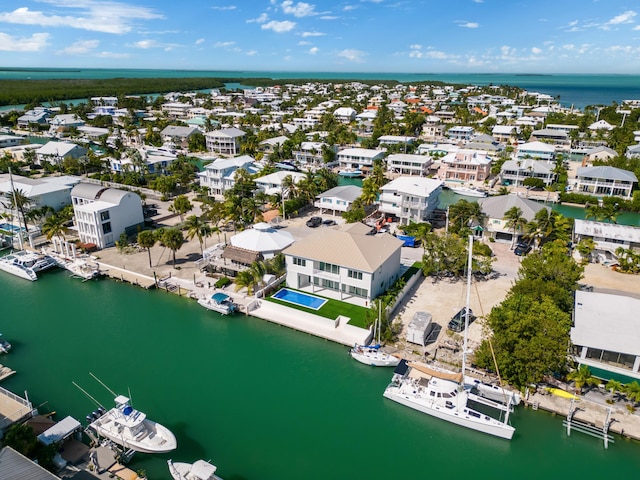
337 331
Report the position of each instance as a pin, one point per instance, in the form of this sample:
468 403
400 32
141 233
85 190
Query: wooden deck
12 408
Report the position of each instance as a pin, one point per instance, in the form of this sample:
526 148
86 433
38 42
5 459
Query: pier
13 408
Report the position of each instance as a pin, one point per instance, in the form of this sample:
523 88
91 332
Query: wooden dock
5 372
127 276
13 408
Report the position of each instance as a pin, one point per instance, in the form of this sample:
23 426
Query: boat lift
588 429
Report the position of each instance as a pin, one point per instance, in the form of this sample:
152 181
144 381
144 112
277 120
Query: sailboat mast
15 202
466 315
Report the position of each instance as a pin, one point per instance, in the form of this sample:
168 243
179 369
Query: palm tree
258 270
608 214
181 205
582 377
615 388
19 201
632 391
147 239
515 221
592 211
55 225
173 240
197 228
369 192
245 279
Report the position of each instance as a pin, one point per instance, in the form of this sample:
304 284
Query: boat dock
13 408
5 372
589 417
128 276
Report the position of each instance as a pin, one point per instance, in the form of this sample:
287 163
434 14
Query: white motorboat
468 192
350 173
131 429
219 302
443 394
4 345
199 470
374 355
80 268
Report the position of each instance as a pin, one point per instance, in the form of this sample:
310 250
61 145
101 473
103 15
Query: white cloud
313 50
415 46
146 44
328 17
312 34
477 1
199 41
34 43
97 16
298 10
626 17
279 27
304 43
352 55
348 8
223 44
536 50
261 19
469 25
112 55
251 53
225 8
637 27
81 47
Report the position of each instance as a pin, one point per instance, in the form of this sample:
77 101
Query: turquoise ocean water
577 90
261 401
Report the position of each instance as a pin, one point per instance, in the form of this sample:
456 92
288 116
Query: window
104 216
106 228
328 267
354 274
299 261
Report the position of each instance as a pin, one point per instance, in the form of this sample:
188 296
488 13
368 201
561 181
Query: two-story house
409 164
219 175
226 141
359 158
605 181
337 199
56 152
515 172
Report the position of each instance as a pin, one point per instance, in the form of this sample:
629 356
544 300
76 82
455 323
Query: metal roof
14 465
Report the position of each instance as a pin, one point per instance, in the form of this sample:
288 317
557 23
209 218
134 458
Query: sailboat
374 355
443 394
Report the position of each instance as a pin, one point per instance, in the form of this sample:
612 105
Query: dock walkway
13 408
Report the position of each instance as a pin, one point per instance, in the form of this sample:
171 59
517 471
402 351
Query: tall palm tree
197 228
245 279
173 240
632 391
55 226
515 221
582 377
369 191
18 200
147 239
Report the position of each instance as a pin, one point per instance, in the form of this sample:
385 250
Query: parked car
328 222
457 321
314 222
522 249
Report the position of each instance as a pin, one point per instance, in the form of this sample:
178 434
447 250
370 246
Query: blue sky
423 36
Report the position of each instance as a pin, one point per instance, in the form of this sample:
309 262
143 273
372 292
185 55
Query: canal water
261 401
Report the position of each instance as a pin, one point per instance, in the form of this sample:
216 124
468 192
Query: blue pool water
7 227
299 298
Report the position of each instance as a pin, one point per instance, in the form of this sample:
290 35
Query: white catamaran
443 394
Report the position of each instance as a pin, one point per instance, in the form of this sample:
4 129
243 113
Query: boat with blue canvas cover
219 302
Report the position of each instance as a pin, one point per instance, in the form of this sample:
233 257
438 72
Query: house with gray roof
219 175
515 172
344 262
606 335
605 181
54 192
225 141
102 214
495 208
57 152
34 118
14 465
410 199
178 135
337 199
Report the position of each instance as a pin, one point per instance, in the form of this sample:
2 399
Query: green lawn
331 309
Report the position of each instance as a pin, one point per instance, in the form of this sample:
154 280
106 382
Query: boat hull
469 192
181 470
216 307
350 173
18 271
377 359
495 428
159 439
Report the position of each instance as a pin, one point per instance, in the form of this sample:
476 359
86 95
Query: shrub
223 282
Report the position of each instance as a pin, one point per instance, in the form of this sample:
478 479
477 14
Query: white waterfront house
57 152
537 150
607 237
337 199
311 156
102 214
344 262
10 141
272 184
605 181
359 158
410 199
606 335
409 164
225 141
219 175
54 192
515 172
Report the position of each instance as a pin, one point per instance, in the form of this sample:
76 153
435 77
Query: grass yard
331 310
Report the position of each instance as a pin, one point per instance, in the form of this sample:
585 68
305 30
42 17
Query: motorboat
468 192
11 264
4 345
374 355
219 302
350 172
131 429
199 470
444 394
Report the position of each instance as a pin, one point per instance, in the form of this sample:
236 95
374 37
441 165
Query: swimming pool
300 298
7 227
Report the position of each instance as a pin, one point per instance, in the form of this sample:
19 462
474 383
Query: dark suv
457 321
522 249
313 222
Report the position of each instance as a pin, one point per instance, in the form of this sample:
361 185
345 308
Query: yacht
445 395
219 302
26 264
468 192
131 429
4 345
200 470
